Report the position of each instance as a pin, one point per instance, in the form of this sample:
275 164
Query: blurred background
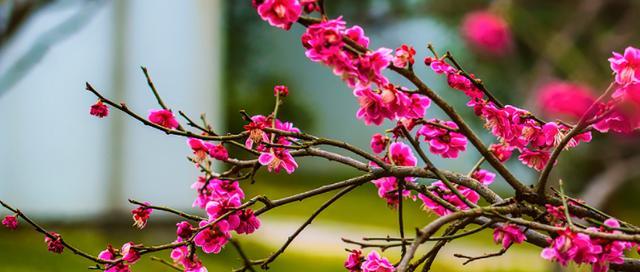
74 172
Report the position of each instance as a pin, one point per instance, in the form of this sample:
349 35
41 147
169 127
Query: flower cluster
276 158
127 255
440 189
202 148
443 140
372 263
515 128
379 100
399 154
579 248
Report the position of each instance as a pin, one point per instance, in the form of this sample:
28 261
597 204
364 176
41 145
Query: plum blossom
379 142
443 141
200 148
280 90
388 190
501 151
570 246
10 221
507 234
375 263
248 222
212 239
404 55
99 109
218 152
280 13
218 207
443 192
184 230
215 189
483 176
536 159
277 160
612 250
487 32
372 108
354 261
418 107
400 154
54 243
129 253
626 66
255 129
190 262
163 118
141 215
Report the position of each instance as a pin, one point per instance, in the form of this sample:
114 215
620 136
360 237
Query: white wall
56 159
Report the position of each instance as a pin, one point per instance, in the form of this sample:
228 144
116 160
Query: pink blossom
379 142
404 55
280 90
508 234
200 148
255 129
323 42
54 244
129 253
626 66
213 239
354 261
163 118
184 230
216 208
248 222
565 98
484 176
190 262
277 160
536 159
280 13
10 221
218 152
215 189
372 109
375 263
118 267
443 192
569 246
141 215
612 250
370 67
487 32
498 121
501 151
108 254
443 141
396 101
356 34
388 190
400 154
99 109
418 107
